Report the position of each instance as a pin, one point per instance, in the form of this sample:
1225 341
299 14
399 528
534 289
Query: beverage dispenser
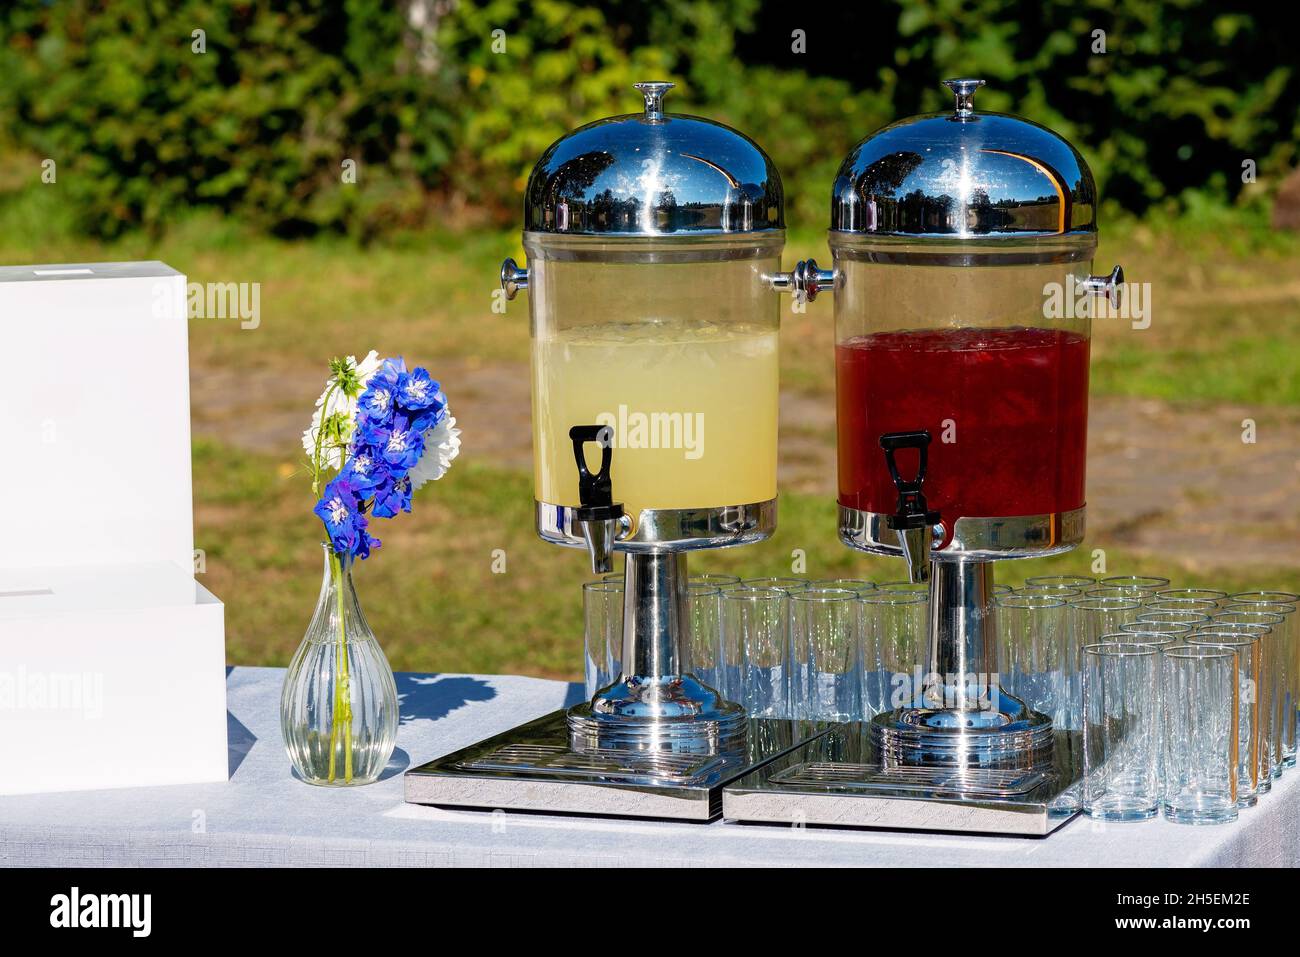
654 243
963 245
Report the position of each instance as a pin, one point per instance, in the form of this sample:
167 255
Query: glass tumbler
1142 585
1037 662
602 625
756 650
785 584
714 579
1159 632
1205 606
1091 617
1277 674
1193 618
1289 653
1200 733
892 633
1121 731
826 680
1253 770
1081 582
702 650
1193 594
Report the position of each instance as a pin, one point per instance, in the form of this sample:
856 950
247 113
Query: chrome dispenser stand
965 756
656 743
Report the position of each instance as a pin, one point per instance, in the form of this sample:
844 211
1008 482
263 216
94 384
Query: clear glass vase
338 707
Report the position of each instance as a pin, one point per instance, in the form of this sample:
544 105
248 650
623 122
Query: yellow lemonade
692 408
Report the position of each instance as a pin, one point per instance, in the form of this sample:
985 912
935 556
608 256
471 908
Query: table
264 817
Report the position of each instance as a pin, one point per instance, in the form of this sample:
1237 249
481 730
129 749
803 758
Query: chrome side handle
805 280
1112 286
513 278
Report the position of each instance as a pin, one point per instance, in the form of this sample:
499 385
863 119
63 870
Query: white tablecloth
264 816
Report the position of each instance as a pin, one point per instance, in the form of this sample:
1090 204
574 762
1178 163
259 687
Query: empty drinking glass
1194 594
785 584
826 680
602 626
1037 663
852 584
1121 731
1136 584
756 650
1252 753
892 631
714 579
1194 619
1081 582
702 650
1200 733
1284 604
1204 606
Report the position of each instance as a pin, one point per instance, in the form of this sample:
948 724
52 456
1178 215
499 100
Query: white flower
340 418
441 445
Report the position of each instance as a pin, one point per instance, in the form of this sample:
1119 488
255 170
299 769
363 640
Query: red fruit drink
1007 412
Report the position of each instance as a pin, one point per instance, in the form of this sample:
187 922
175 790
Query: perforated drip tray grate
919 781
549 760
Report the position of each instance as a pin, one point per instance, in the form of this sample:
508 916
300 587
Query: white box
112 658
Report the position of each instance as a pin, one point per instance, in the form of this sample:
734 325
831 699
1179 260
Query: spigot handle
913 518
595 490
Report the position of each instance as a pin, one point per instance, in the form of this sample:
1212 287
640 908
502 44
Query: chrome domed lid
965 175
653 174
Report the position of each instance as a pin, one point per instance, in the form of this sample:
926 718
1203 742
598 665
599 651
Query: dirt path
1162 479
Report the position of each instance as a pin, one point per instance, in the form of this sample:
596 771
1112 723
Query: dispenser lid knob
964 90
653 91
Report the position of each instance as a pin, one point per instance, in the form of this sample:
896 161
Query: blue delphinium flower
376 403
365 470
340 510
392 497
399 443
421 398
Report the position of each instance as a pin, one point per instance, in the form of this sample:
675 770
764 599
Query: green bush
141 126
446 105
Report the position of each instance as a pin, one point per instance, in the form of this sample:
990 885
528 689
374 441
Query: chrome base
678 715
533 768
668 529
973 539
840 780
1012 738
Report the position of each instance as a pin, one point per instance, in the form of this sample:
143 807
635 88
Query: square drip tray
836 780
532 768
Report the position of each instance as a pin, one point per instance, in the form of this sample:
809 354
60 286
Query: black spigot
913 518
598 514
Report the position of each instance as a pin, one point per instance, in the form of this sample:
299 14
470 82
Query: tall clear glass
1252 753
1200 733
756 650
702 650
1276 603
826 681
1121 731
602 627
892 630
1038 661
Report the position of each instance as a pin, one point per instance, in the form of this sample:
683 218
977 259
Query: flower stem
341 722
